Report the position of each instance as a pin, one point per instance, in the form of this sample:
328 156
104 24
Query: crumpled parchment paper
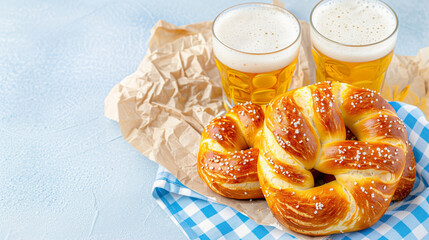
163 107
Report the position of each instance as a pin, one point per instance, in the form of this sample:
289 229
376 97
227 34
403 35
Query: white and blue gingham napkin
200 218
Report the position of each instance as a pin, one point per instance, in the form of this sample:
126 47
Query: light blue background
65 170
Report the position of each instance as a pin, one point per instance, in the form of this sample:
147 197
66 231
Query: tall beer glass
353 41
256 50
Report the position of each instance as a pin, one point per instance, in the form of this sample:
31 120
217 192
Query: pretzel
408 177
227 159
312 134
305 129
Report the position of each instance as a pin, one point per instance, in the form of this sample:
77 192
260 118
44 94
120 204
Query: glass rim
264 4
355 45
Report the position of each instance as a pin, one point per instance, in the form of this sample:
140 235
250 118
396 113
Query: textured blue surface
65 170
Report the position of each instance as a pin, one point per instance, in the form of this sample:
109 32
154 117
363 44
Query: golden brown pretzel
305 129
408 177
227 159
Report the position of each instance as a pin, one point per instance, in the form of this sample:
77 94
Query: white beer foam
352 22
252 30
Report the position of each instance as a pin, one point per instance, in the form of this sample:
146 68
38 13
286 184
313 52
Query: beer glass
353 41
256 50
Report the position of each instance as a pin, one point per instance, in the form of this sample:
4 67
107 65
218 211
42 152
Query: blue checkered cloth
200 218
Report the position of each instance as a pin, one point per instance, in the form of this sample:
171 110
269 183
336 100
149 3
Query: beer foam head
256 37
354 23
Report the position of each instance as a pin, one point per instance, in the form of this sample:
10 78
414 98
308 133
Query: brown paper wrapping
163 107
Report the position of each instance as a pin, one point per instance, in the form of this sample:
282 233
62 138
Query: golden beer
258 88
256 51
353 41
360 74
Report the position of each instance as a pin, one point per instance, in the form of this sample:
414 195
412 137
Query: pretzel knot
227 159
303 132
305 129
